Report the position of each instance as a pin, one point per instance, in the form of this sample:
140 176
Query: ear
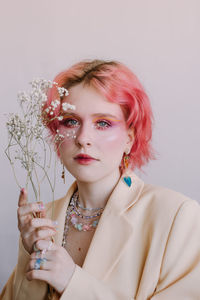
130 138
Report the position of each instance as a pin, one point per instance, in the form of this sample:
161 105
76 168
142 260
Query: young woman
116 237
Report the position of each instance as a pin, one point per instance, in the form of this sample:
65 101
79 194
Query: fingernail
41 206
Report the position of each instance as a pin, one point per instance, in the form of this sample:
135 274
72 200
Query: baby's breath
66 106
26 132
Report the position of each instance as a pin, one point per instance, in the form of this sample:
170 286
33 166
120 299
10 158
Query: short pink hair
119 85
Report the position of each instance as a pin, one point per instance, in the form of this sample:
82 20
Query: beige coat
146 246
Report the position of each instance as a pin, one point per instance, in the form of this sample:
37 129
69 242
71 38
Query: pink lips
84 159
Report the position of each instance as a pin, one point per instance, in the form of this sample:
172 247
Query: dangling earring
127 179
63 174
126 161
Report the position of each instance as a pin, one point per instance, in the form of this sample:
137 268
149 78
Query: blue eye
70 123
102 124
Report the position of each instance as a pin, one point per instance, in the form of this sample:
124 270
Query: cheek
68 135
113 140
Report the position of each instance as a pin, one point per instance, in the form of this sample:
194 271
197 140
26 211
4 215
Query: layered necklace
78 217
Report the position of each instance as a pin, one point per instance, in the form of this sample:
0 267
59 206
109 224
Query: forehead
89 101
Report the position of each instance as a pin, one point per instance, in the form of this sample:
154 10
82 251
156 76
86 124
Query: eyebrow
95 115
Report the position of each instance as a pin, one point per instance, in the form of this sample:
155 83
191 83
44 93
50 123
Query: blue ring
38 263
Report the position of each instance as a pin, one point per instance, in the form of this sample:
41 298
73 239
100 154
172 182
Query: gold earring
126 161
63 174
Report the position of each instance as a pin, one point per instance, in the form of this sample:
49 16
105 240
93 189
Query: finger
46 245
42 253
42 212
42 264
33 226
39 275
25 219
23 222
26 212
48 254
29 239
22 198
30 208
43 222
43 234
36 235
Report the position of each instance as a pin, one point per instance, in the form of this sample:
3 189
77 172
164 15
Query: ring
38 254
39 263
35 249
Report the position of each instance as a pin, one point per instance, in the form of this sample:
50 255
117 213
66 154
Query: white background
159 40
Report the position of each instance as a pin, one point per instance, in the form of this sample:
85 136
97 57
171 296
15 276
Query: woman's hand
57 268
33 229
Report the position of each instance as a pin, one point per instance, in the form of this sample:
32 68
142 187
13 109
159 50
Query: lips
84 159
84 156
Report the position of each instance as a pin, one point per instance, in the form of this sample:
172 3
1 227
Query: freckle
79 249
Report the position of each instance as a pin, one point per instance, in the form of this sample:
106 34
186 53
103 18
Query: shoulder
159 205
162 197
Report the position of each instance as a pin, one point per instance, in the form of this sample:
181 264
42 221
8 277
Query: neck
96 194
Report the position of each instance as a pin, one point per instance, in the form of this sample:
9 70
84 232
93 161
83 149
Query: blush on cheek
117 134
114 140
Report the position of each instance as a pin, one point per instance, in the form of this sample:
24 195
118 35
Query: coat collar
113 230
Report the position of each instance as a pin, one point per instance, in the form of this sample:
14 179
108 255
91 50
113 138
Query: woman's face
96 128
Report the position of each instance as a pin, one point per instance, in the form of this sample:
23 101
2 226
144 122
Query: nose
83 136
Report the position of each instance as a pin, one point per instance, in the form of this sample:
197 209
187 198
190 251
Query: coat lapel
114 229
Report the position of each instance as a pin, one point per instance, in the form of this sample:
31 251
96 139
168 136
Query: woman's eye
102 124
70 123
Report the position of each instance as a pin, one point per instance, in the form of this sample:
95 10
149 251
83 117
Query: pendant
127 180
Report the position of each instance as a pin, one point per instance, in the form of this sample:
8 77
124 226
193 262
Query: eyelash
107 124
67 121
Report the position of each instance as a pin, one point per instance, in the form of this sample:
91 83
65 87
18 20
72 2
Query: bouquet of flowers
28 142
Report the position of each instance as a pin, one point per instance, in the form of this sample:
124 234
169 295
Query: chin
82 175
87 178
92 177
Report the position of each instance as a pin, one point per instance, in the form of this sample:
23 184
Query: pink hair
119 85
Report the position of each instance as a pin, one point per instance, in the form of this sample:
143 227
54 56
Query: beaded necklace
79 220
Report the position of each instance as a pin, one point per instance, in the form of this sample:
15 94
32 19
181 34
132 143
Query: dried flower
66 106
28 136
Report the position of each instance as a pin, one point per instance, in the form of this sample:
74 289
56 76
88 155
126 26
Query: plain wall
159 40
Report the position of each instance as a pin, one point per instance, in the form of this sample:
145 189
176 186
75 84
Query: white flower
26 131
62 91
55 103
66 106
66 92
58 137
